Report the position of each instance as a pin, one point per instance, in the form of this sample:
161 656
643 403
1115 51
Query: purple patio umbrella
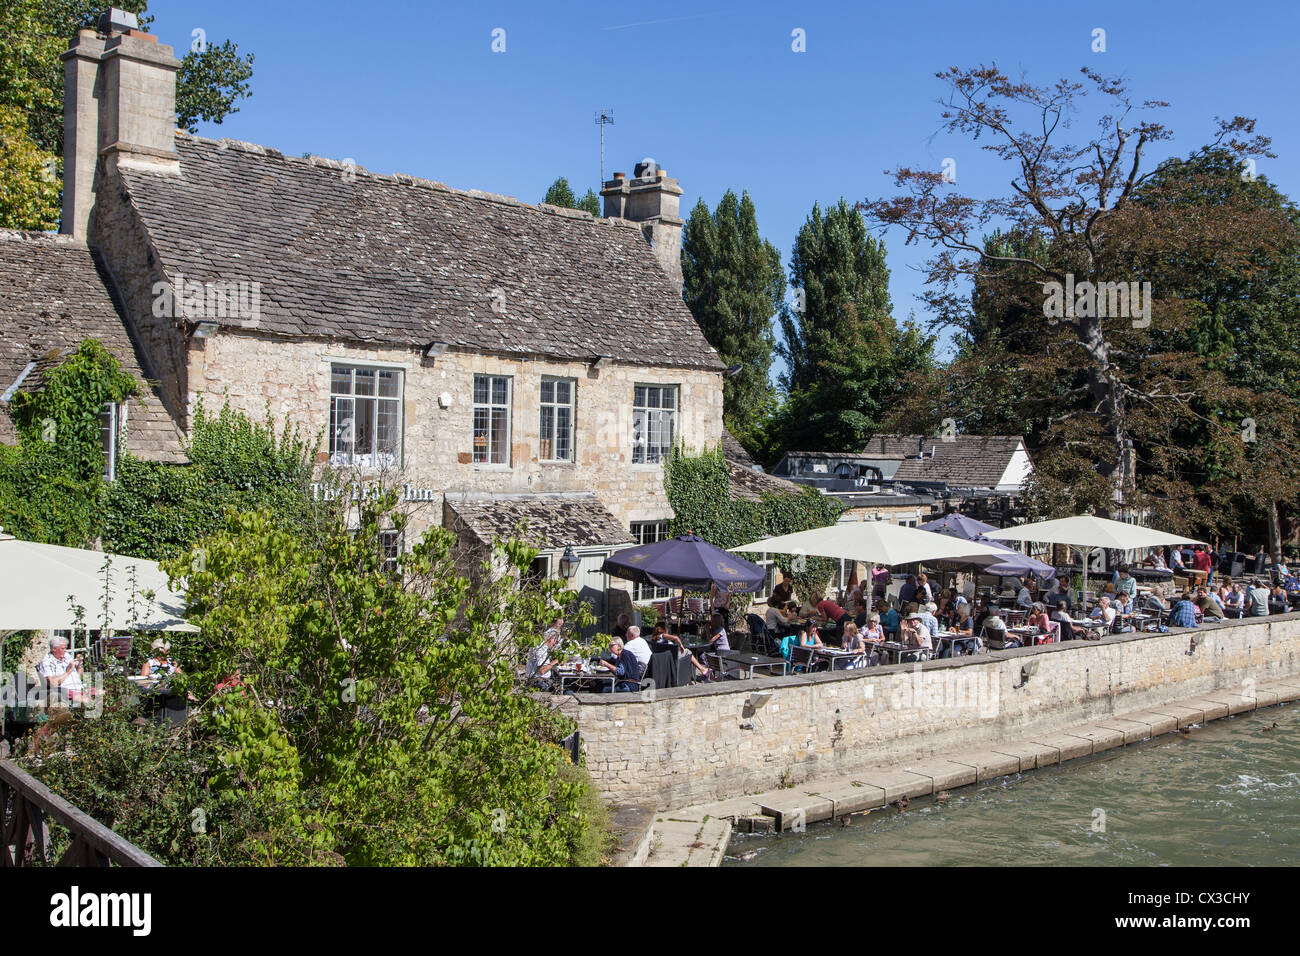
685 562
1016 564
959 525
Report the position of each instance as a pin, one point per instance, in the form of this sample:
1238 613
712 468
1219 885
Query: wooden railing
26 804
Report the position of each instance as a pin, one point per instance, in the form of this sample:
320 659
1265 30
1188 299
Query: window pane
365 427
365 379
388 430
480 389
548 391
340 380
498 391
652 397
669 397
563 434
562 392
499 436
388 383
547 450
480 434
342 431
639 400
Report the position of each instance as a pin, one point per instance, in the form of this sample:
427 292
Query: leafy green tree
846 357
733 284
590 202
560 193
33 34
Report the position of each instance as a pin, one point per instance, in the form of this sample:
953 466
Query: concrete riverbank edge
690 746
700 835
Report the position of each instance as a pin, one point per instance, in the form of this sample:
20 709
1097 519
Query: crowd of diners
865 618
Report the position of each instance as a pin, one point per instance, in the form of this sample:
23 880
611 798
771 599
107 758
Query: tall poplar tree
846 357
733 283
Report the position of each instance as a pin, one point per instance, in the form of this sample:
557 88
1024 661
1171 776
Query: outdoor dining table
838 657
897 651
569 674
752 662
950 642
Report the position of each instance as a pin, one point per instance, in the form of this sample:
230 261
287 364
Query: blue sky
714 92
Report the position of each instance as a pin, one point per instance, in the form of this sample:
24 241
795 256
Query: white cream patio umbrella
875 542
41 584
1088 532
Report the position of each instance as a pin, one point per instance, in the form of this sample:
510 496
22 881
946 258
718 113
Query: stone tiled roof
733 450
751 485
977 461
341 253
52 296
552 521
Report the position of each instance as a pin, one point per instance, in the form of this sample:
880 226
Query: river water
1228 794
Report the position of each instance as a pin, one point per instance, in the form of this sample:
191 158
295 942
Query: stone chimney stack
119 108
651 199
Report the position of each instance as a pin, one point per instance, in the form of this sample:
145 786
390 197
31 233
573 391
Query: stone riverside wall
703 743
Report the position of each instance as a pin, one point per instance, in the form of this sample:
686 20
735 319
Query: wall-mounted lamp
569 563
204 328
599 361
1028 670
1197 641
434 349
753 704
733 370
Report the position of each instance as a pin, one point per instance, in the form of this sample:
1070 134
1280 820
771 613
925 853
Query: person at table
879 581
1023 598
907 593
721 602
962 623
782 594
1123 607
1234 602
1125 583
1068 631
1208 600
924 595
993 622
832 613
982 612
1038 617
930 620
861 612
625 667
1184 613
1156 560
663 640
1104 611
1154 602
540 665
914 633
889 618
718 634
1277 603
852 641
620 628
159 662
638 645
1058 593
1256 600
61 670
778 620
1176 560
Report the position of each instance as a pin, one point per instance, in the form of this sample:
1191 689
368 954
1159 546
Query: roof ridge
404 179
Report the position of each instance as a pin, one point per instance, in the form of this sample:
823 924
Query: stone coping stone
1214 710
732 810
987 763
1133 731
1067 745
1286 690
853 799
1159 723
1236 703
1102 738
1186 716
944 773
632 827
792 807
1031 755
897 784
1265 697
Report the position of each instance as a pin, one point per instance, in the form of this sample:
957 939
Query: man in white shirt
539 659
638 646
62 671
1103 611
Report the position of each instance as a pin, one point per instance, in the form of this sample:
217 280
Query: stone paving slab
1265 697
1103 738
730 809
711 845
1068 746
987 763
1214 710
1236 702
1133 730
1186 716
943 773
896 783
1159 723
1286 690
851 799
793 807
1031 755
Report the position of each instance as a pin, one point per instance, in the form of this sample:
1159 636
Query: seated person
638 645
1104 611
861 614
1234 601
852 641
1256 600
1154 602
777 620
1277 603
1023 598
1057 594
889 619
1184 613
1062 617
1156 560
540 664
1213 605
1038 618
907 593
995 630
160 663
961 620
624 666
914 633
929 620
663 639
61 671
718 634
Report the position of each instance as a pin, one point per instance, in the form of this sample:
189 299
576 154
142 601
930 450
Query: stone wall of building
293 376
715 741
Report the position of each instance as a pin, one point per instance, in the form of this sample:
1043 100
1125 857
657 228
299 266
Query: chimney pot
114 20
620 176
